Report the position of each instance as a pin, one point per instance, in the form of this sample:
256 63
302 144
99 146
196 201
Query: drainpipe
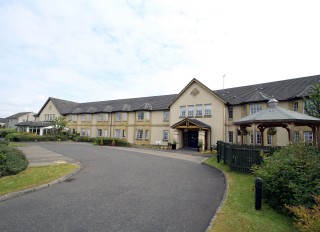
110 123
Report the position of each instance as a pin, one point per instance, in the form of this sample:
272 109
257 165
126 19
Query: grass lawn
238 212
34 176
17 144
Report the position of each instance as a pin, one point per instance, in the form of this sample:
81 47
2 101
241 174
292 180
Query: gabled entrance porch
191 133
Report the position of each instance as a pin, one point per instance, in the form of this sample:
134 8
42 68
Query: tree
59 124
312 103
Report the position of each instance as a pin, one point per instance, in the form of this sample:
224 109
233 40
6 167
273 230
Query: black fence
242 157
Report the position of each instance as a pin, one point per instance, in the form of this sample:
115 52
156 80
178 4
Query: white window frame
295 106
75 118
296 136
100 117
125 116
165 136
88 132
147 115
89 117
269 139
106 117
139 134
83 132
230 112
199 110
118 116
190 110
140 115
99 132
146 135
105 133
255 108
124 134
258 138
207 110
83 118
308 136
182 111
117 133
166 115
230 136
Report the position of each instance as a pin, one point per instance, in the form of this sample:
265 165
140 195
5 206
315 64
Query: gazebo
275 116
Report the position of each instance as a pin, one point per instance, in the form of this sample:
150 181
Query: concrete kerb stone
37 188
223 198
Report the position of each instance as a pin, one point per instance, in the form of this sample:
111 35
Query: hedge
108 142
5 132
12 161
21 137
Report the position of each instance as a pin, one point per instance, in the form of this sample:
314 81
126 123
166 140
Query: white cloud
99 50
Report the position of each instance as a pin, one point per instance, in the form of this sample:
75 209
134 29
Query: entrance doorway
190 138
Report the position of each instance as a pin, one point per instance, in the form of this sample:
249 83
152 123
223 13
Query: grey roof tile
15 116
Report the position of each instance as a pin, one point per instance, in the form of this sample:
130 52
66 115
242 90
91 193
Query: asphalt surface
119 190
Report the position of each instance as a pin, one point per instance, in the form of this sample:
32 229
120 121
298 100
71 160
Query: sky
96 50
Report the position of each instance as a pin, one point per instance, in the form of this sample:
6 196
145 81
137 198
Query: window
166 135
190 111
207 109
198 110
166 116
83 117
88 132
146 135
295 106
308 136
259 138
89 117
83 132
69 117
140 115
106 117
124 133
147 116
139 134
230 112
182 111
269 139
99 132
75 118
254 108
100 117
117 133
296 137
124 116
105 133
118 116
230 136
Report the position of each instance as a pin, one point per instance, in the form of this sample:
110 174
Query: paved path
120 190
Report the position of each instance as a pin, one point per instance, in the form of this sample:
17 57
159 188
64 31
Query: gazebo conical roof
275 114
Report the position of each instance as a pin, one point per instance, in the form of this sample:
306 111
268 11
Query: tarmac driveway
119 190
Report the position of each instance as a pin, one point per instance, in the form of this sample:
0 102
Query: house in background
2 122
12 120
196 115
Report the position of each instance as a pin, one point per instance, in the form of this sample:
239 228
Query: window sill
207 116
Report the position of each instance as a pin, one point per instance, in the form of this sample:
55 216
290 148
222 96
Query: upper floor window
125 116
106 117
74 117
198 110
140 115
83 117
254 108
190 111
89 117
295 106
69 117
182 111
230 112
118 116
207 109
147 116
166 116
100 117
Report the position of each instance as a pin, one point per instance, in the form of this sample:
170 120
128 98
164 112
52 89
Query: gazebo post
254 133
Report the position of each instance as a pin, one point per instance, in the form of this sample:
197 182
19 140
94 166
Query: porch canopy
275 116
190 123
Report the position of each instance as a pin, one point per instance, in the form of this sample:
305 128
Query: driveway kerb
33 189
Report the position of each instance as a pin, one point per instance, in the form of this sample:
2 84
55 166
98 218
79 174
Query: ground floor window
117 133
296 137
230 136
146 135
269 139
105 133
308 136
165 135
83 132
139 134
99 133
124 134
258 137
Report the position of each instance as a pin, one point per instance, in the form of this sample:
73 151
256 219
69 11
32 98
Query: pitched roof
3 120
63 106
126 105
281 90
15 116
34 123
193 121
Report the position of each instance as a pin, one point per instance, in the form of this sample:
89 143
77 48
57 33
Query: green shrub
83 139
108 141
307 219
12 161
291 176
5 132
3 143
